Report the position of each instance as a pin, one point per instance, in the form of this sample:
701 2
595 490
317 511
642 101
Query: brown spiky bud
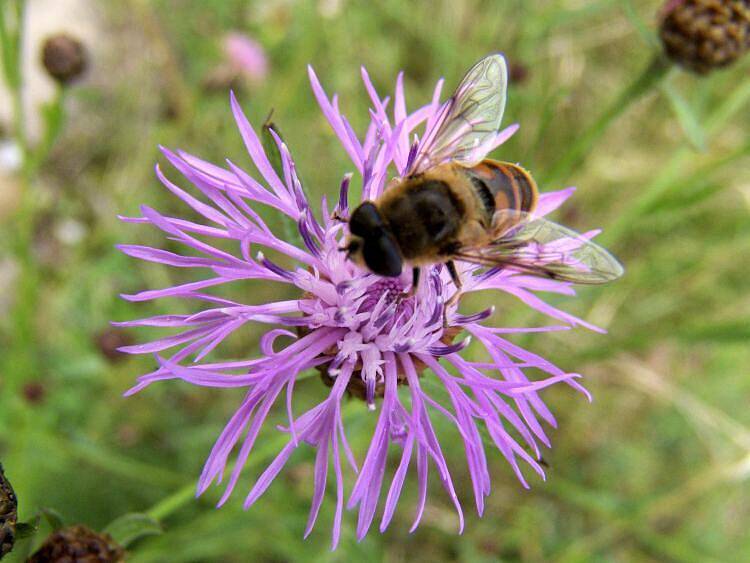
702 35
64 58
8 515
80 544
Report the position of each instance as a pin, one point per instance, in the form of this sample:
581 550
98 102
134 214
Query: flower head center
387 301
390 291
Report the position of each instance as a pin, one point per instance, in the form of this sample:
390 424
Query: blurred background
655 469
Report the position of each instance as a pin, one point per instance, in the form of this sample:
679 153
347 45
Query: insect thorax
424 214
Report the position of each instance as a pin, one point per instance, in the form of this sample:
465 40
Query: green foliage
689 122
129 528
655 469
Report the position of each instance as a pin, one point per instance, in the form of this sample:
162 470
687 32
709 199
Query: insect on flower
371 334
455 204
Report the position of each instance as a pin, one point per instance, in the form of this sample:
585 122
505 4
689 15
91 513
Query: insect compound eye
365 220
382 256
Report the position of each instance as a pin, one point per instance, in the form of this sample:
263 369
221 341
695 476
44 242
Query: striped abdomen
502 185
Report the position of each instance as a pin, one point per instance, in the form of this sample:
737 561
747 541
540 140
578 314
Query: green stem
172 503
650 77
27 293
53 115
11 41
22 361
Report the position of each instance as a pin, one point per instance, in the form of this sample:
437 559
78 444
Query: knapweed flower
246 56
360 329
245 62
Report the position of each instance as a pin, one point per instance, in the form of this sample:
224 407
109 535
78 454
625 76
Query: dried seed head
64 58
78 543
8 515
702 35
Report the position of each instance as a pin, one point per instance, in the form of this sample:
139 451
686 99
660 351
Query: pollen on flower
362 332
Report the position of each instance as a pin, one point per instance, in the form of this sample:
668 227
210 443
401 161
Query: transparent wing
543 248
468 121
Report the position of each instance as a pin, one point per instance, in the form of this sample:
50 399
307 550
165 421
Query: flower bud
64 58
246 56
78 543
8 515
245 61
34 392
702 35
109 340
518 73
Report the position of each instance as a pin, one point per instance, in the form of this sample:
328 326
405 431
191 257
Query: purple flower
353 325
246 56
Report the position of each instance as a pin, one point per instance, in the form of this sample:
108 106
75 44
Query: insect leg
457 295
338 218
451 265
414 281
415 271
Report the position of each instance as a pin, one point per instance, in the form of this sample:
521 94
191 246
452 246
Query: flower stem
648 79
11 41
172 503
21 359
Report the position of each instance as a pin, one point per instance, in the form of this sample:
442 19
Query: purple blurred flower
246 56
354 324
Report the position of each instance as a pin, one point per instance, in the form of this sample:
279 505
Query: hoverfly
452 203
